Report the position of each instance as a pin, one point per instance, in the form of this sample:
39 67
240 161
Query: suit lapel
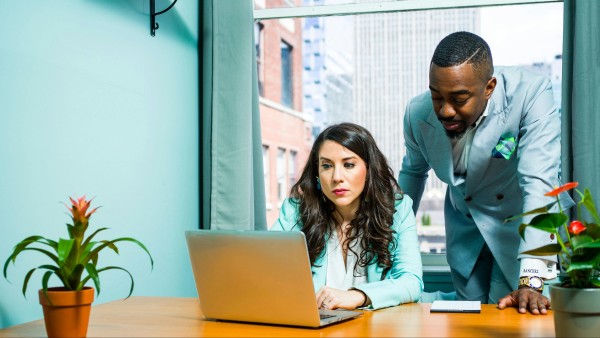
439 148
484 141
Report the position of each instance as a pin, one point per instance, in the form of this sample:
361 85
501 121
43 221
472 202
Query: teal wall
91 104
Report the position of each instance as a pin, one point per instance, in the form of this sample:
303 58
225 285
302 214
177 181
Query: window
292 168
267 174
365 68
281 181
259 46
287 85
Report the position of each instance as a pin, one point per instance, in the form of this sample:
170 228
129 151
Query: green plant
426 219
72 256
580 248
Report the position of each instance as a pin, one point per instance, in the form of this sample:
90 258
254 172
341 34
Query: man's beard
453 135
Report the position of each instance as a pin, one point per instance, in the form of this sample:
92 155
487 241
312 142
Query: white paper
456 306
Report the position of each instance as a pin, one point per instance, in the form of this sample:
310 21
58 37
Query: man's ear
489 87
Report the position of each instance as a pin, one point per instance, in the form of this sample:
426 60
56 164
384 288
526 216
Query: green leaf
112 246
52 268
119 268
64 249
549 221
522 228
541 210
14 255
585 242
578 241
26 281
127 239
70 230
90 237
45 279
22 246
93 274
75 277
546 250
588 203
579 265
595 282
593 230
546 222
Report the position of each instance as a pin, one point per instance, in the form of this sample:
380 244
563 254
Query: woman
360 230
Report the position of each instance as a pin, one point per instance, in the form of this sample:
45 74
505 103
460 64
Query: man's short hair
460 47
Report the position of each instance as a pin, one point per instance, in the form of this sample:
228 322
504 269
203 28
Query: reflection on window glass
286 75
292 168
267 174
281 181
365 69
258 40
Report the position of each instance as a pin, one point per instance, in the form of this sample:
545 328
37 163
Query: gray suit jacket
476 205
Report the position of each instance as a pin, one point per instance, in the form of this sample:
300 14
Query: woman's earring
318 184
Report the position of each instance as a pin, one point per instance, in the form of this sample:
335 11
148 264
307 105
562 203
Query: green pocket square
505 148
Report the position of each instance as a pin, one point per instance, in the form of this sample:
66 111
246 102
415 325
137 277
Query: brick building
286 129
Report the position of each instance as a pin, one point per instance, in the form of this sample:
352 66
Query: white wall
91 104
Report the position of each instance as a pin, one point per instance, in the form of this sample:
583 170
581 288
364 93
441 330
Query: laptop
257 276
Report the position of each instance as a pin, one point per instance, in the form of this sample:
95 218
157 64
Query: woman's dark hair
374 216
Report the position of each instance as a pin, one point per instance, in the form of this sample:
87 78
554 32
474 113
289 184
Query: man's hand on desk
524 299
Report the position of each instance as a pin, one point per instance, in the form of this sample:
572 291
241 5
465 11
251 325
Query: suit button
469 216
499 196
468 198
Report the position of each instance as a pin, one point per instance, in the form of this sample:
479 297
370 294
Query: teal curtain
581 94
233 195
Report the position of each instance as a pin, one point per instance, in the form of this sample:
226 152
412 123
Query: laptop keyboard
326 316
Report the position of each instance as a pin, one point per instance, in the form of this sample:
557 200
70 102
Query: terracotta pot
67 313
576 311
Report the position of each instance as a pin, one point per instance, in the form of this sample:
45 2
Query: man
494 138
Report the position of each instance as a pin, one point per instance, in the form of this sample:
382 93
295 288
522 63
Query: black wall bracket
153 15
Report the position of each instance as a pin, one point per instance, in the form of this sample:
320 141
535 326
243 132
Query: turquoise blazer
403 283
521 111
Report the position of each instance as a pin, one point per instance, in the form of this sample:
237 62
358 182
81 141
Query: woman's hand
329 298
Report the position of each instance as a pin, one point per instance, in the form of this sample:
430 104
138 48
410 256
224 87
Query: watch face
535 282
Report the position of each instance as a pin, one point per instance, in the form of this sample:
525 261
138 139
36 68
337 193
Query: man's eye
459 101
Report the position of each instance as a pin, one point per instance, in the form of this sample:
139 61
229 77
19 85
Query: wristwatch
533 282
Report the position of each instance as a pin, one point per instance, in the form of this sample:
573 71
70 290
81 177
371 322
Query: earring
318 184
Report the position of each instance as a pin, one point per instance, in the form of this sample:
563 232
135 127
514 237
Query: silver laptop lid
253 276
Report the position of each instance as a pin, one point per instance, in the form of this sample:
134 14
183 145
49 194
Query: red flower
79 207
563 188
576 227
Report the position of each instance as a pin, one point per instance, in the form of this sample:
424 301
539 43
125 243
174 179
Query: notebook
257 276
465 306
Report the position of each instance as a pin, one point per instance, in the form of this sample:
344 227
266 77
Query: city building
286 130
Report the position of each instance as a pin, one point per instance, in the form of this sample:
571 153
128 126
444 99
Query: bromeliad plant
73 256
580 248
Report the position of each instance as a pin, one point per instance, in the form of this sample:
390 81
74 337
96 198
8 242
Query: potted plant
75 262
576 299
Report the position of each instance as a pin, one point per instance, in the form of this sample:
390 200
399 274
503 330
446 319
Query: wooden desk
181 317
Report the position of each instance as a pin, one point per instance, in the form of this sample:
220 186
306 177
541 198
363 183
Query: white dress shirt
339 275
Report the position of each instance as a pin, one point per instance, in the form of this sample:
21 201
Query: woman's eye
325 165
349 165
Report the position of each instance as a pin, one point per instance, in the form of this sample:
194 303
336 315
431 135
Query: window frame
431 262
381 7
